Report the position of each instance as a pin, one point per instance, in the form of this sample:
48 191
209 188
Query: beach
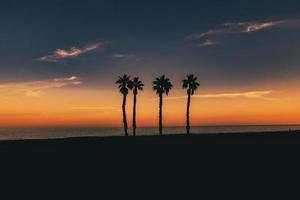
206 163
194 144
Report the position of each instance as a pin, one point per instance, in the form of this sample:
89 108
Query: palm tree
124 84
191 84
136 85
161 85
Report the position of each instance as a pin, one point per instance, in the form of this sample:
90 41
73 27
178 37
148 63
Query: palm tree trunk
134 115
188 114
124 115
160 114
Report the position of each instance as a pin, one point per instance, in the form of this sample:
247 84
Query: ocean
51 133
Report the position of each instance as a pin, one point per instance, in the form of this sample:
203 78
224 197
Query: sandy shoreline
183 143
225 156
166 138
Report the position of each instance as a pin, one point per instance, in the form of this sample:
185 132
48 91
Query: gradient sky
59 61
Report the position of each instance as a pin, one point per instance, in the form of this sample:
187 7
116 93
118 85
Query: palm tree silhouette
136 85
161 85
124 84
191 84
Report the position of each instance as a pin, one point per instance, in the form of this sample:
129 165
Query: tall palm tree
136 85
161 85
124 83
191 84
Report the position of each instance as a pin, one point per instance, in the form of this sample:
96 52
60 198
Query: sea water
49 133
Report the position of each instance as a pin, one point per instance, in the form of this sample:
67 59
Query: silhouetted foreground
195 164
157 146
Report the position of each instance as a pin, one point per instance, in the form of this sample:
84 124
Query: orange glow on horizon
91 107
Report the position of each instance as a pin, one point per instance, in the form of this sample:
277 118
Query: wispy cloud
127 56
70 53
35 88
251 94
101 108
208 43
204 39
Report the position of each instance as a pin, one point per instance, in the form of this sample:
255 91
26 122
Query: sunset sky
59 61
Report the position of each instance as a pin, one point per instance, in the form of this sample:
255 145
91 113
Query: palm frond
190 83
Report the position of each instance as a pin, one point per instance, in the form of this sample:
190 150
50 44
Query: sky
59 61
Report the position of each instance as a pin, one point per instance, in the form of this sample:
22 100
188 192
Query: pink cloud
249 94
36 88
72 52
206 38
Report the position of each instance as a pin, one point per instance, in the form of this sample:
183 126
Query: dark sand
175 166
173 145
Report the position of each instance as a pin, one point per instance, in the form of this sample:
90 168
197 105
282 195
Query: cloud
208 43
127 56
118 55
205 38
71 53
251 94
101 108
35 88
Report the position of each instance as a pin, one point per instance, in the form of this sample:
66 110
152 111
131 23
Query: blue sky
102 39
